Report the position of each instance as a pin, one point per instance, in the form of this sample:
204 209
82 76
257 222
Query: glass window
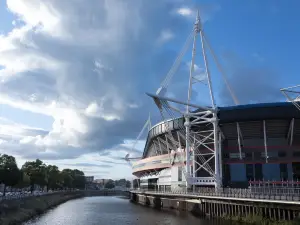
258 172
283 171
249 172
282 154
248 155
175 124
296 154
226 155
270 154
179 173
236 155
181 124
163 128
170 124
296 170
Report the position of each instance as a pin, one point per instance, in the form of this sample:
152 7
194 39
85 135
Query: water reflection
113 211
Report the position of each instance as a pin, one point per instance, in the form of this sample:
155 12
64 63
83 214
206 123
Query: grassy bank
14 212
259 220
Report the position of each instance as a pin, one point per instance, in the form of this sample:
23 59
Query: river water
113 211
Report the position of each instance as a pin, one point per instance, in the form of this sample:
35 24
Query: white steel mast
198 151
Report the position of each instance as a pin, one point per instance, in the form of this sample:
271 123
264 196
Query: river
113 211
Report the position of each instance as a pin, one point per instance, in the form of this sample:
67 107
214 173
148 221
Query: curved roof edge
249 112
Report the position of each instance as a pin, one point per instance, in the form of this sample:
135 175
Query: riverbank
237 212
13 212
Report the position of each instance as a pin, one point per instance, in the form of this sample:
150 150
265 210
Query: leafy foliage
109 184
9 171
53 177
36 172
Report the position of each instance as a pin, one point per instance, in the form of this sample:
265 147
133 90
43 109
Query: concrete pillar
289 214
294 214
274 213
216 209
223 209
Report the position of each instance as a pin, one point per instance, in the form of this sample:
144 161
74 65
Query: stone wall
19 210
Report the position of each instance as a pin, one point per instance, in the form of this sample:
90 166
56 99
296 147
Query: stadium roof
262 111
250 112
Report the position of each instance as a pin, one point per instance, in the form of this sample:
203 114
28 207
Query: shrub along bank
16 211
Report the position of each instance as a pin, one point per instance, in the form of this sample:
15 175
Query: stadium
211 146
260 142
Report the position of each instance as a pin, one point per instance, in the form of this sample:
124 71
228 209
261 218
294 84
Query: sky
73 74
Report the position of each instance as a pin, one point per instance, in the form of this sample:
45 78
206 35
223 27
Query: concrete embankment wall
17 211
222 208
90 193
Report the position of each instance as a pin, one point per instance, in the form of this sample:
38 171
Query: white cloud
88 67
185 11
165 35
206 11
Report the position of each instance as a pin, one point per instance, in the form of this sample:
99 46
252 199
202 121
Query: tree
24 180
36 170
9 171
67 178
110 184
52 177
79 179
128 184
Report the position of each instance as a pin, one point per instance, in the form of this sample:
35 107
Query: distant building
101 181
89 179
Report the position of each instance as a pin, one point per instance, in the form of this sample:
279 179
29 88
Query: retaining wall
220 207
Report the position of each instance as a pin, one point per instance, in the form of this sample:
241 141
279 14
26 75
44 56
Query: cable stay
147 126
292 94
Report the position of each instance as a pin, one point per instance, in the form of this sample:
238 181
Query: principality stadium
215 146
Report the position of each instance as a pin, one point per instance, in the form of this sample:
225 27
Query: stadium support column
220 158
187 125
217 151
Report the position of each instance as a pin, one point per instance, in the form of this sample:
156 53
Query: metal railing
21 195
281 194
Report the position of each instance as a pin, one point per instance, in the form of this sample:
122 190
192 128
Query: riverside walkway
254 193
272 203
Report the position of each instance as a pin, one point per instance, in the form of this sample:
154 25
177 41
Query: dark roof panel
263 111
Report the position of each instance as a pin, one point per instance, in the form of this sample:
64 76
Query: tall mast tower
200 130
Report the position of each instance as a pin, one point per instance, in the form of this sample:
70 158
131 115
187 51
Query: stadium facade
198 145
260 142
